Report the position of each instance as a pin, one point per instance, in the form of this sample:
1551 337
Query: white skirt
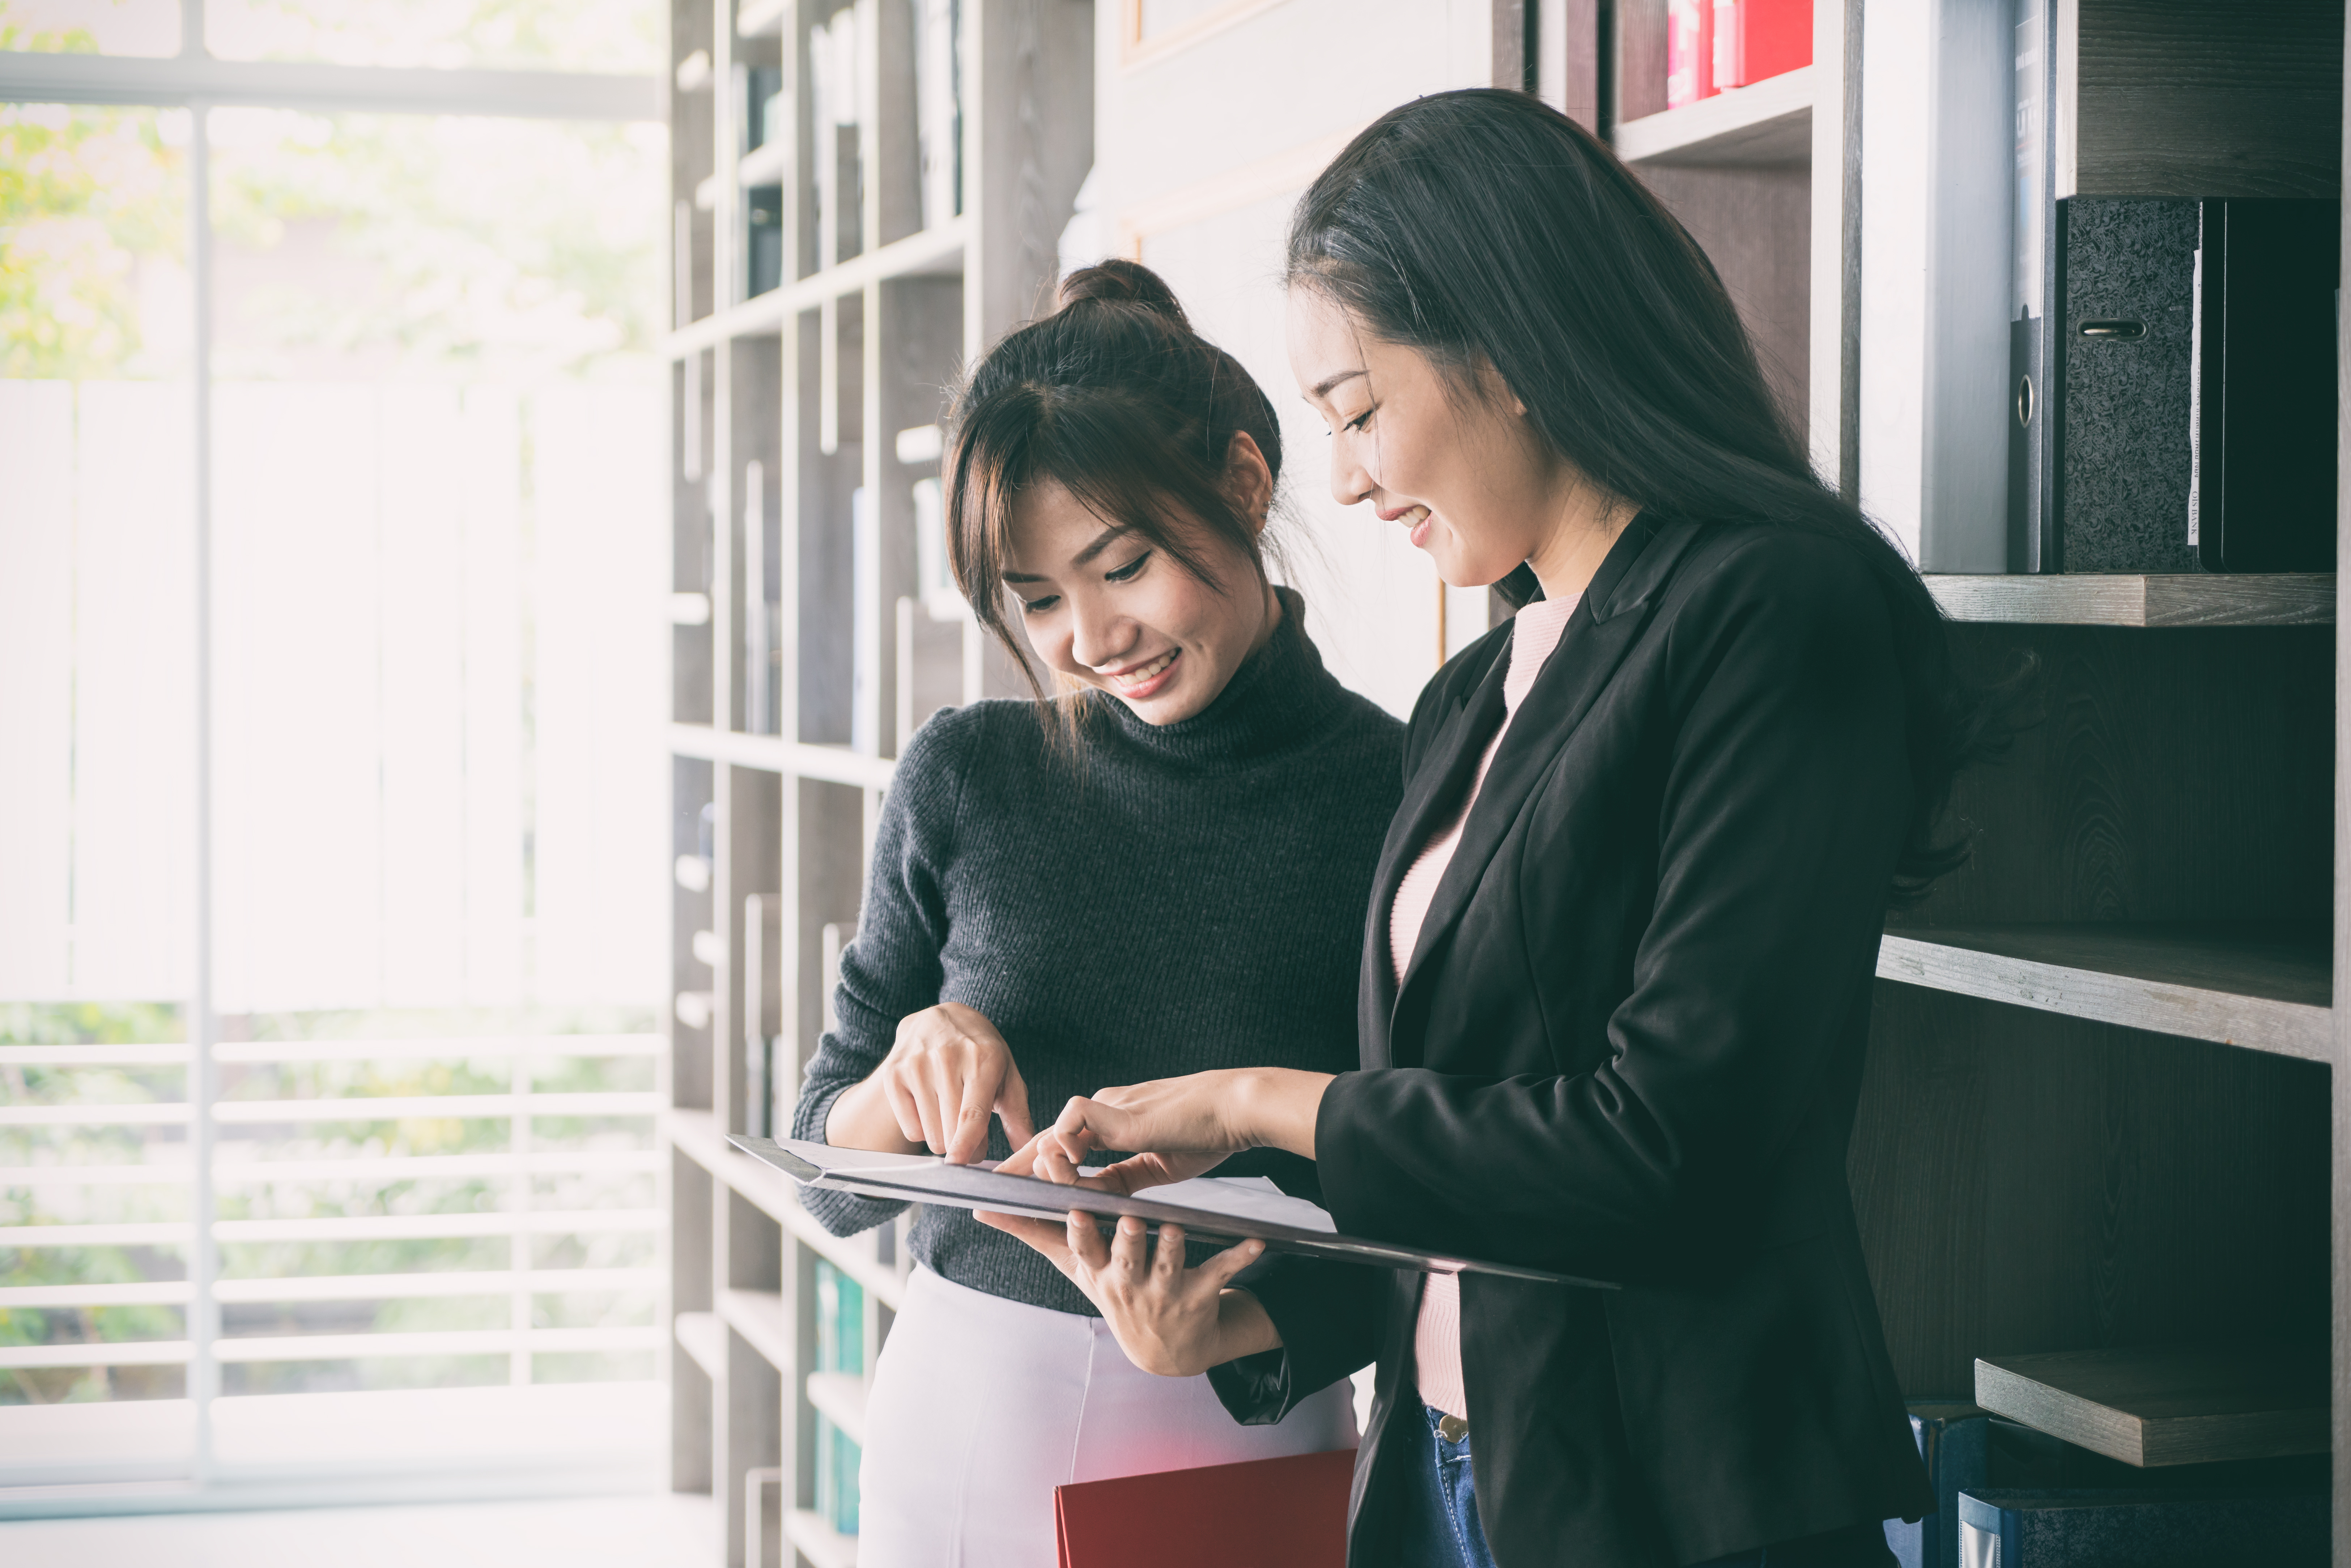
981 1406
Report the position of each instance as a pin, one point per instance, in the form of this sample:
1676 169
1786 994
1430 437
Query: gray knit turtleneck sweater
1167 899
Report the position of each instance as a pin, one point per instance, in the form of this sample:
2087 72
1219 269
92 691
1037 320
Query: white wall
1265 94
1937 124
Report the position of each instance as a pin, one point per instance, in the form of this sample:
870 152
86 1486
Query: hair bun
1125 282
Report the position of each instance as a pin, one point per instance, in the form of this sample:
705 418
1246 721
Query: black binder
2184 410
2268 297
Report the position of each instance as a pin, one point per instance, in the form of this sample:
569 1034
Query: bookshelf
2097 1115
819 310
2093 1157
1768 123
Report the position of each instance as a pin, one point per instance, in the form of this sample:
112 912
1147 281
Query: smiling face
1108 609
1479 490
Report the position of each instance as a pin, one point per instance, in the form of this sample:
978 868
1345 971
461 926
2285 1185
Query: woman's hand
1127 1178
1201 1114
947 1071
1169 1320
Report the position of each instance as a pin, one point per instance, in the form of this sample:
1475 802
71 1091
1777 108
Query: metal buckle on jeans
1452 1429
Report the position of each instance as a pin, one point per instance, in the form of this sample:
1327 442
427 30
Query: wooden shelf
2169 1405
929 253
2186 599
703 1339
2264 987
762 1321
1768 123
840 1395
772 754
818 1542
694 1133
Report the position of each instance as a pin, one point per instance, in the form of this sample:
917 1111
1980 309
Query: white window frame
195 80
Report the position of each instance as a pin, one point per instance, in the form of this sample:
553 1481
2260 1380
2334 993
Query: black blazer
1628 1047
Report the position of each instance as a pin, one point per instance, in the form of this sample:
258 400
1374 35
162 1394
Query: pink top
1436 1338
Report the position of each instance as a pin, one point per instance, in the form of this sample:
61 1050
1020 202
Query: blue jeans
1441 1529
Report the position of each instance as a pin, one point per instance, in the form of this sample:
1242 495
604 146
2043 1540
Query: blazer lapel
1603 627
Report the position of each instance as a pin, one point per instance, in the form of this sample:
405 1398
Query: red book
1758 38
1689 52
1266 1513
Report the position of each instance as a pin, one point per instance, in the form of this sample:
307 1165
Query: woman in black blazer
1628 1037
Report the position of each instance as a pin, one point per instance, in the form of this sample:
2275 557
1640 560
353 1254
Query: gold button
1452 1429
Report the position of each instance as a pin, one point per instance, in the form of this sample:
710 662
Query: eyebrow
1323 388
1102 541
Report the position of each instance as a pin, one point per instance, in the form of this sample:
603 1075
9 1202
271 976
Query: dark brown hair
1482 227
1115 398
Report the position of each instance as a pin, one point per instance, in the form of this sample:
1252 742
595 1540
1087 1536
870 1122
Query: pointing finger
1012 1105
969 1137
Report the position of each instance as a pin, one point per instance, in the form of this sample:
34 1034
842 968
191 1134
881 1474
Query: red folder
1266 1513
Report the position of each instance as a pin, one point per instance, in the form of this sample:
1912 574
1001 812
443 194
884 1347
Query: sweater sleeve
892 967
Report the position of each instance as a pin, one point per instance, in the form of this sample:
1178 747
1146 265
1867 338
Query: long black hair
1483 227
1116 398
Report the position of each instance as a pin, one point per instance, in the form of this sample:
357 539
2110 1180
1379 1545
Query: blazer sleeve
1329 1317
1786 791
892 967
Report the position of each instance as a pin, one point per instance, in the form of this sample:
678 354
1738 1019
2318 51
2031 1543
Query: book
839 1322
2160 1529
760 106
2033 282
2262 453
1206 1208
1754 40
2171 357
2120 399
938 106
934 576
836 102
1953 1441
866 695
762 615
837 1458
840 1347
768 1092
1689 52
1288 1512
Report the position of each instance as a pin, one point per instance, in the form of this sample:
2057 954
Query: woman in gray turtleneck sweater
1162 871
